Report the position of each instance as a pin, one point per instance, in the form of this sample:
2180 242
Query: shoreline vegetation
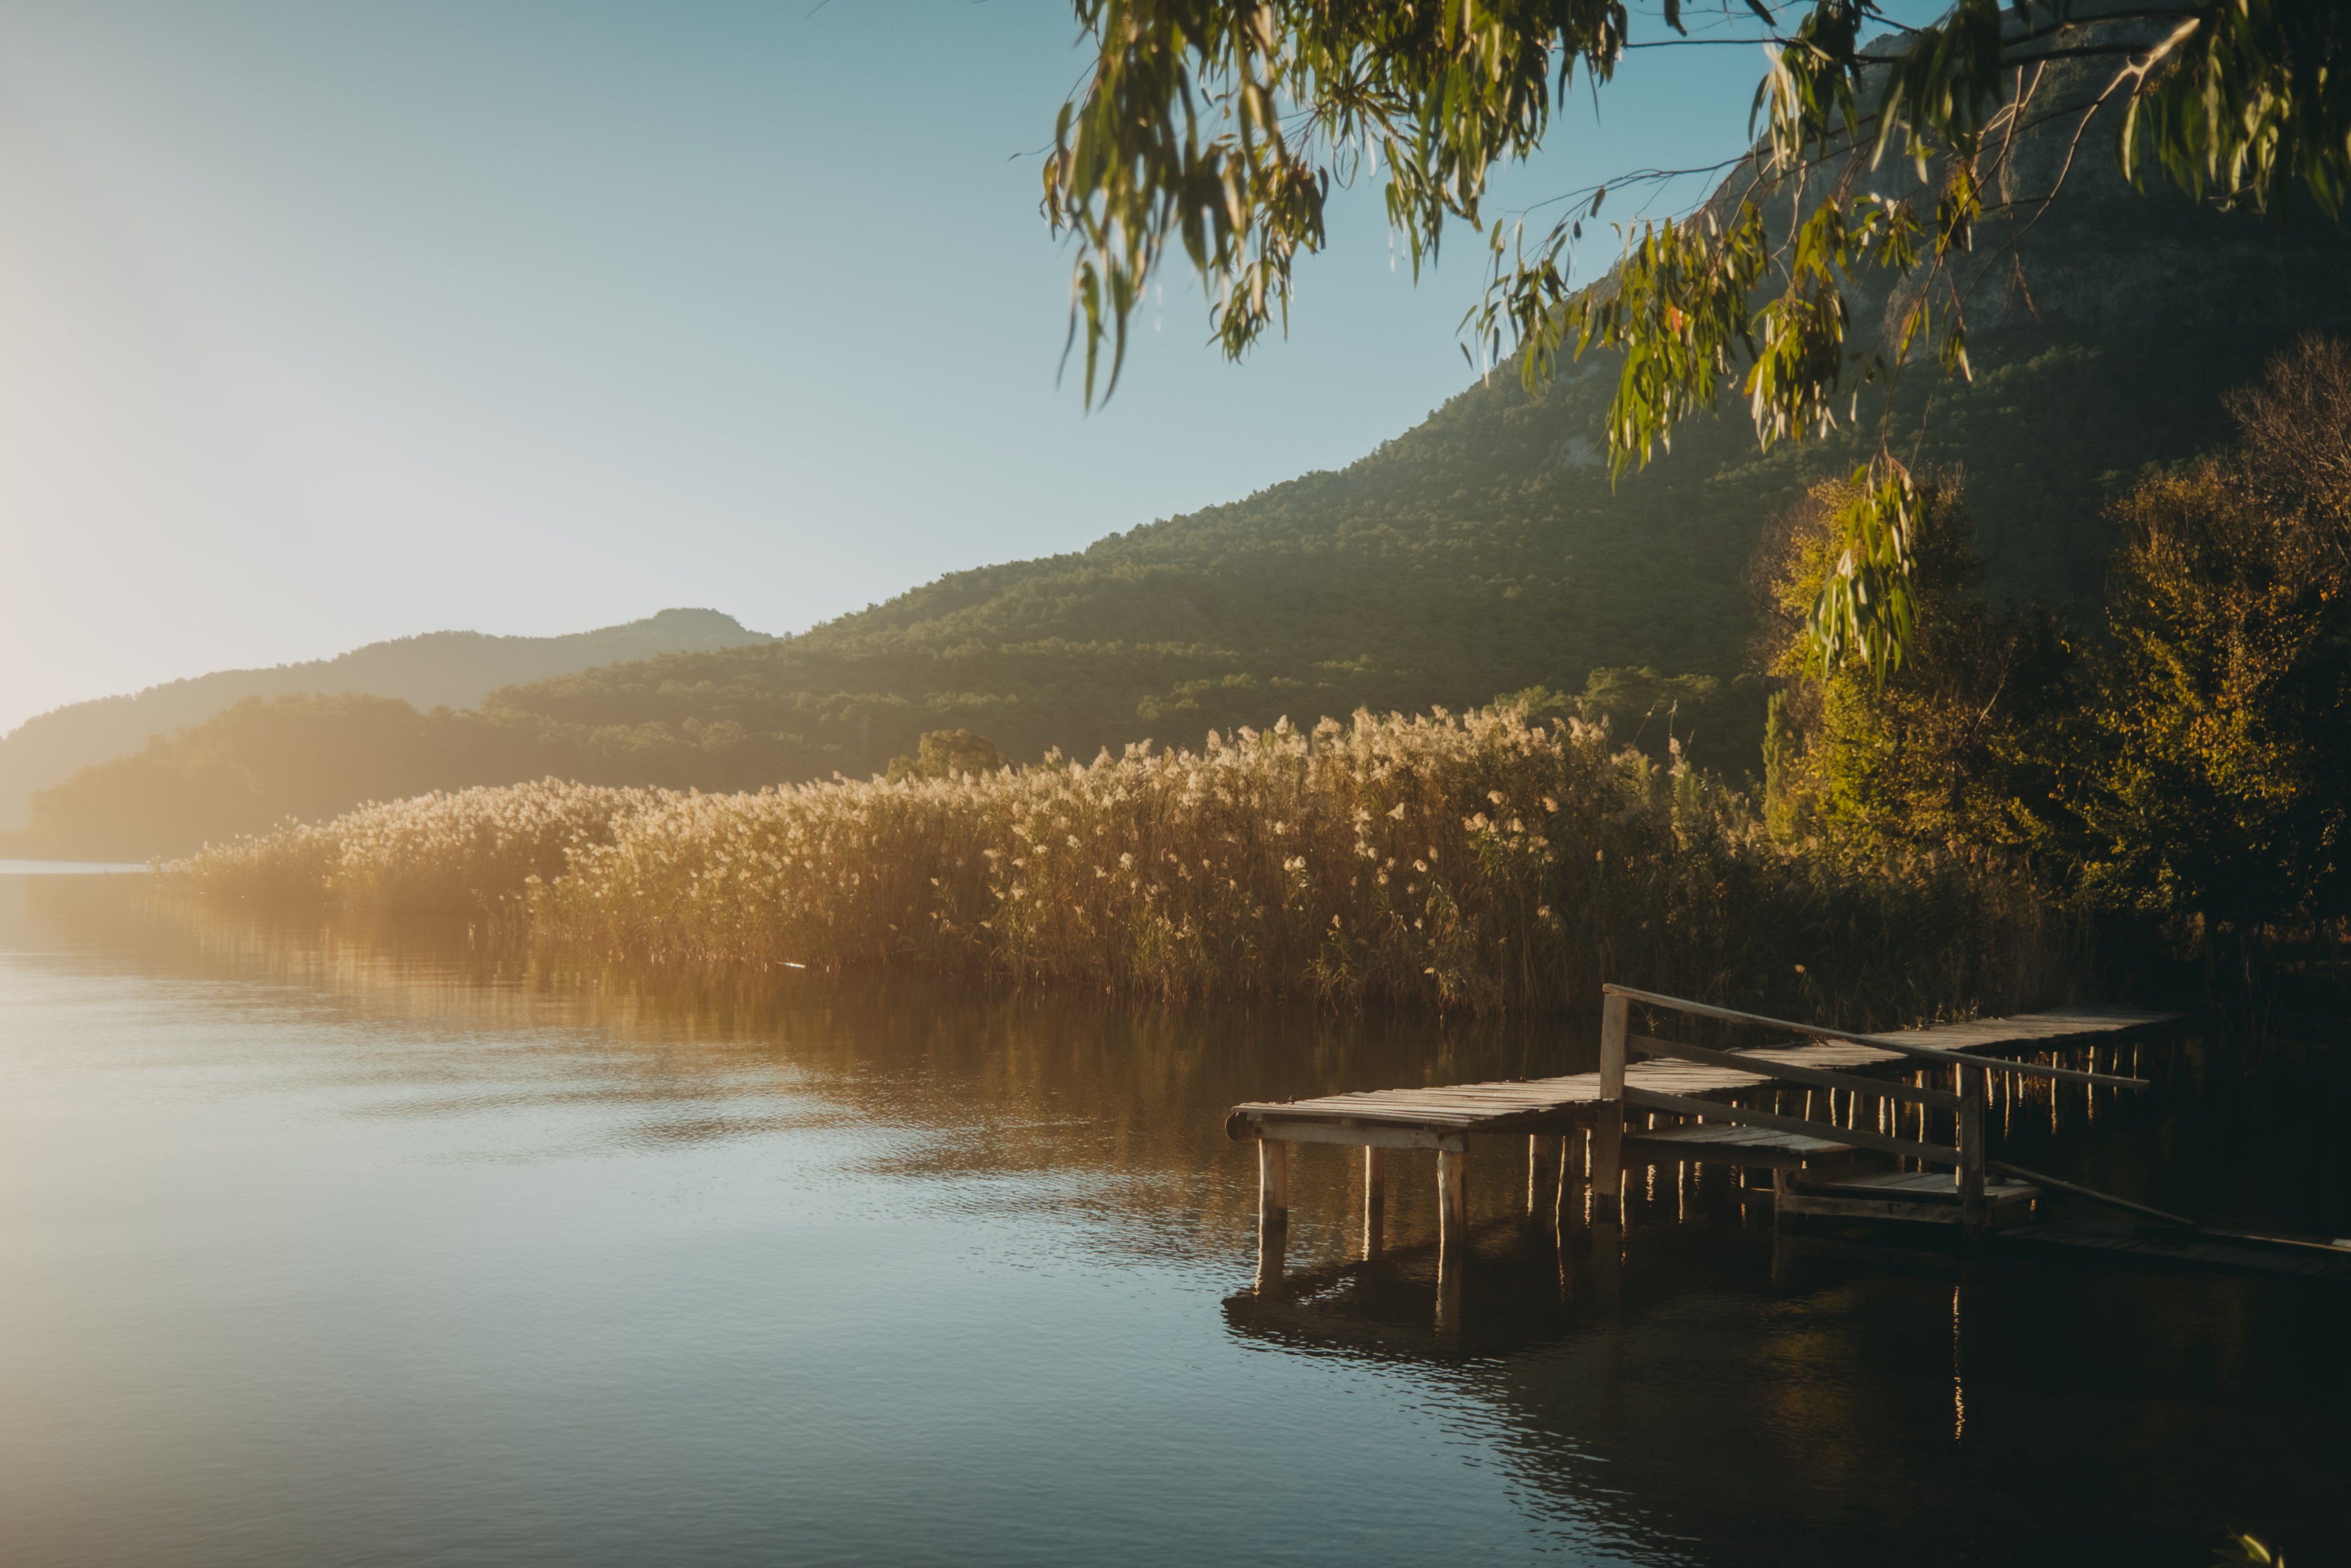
1953 833
1475 861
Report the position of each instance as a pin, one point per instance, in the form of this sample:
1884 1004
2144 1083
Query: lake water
326 1247
68 868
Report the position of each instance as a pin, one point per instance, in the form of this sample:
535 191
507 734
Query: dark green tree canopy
1217 128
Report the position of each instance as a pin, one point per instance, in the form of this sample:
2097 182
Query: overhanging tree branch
1217 128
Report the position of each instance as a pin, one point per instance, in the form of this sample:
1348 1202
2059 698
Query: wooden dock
1857 1099
2202 1249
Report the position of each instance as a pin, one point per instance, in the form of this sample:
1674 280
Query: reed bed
1473 861
469 850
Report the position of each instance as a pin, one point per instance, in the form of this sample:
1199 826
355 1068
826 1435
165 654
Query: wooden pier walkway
1716 1106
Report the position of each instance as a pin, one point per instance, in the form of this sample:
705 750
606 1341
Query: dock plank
1519 1105
1727 1143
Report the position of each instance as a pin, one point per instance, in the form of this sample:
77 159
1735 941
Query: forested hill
1487 550
452 669
1482 553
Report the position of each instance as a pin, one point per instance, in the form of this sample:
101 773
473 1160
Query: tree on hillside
2221 717
1960 746
1217 128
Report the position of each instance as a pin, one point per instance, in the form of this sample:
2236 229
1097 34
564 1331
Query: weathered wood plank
1771 1068
1409 1137
1717 1135
1753 1148
1441 1117
1889 1041
1923 1186
1869 1208
1746 1114
2095 1196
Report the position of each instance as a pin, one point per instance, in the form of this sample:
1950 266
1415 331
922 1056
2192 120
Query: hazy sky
321 323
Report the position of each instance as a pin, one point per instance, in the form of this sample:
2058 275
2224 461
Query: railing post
1608 1116
1452 1241
1974 1214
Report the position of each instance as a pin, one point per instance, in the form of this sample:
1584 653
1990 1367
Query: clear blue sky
324 322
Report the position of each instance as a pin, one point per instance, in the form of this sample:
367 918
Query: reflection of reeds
1472 861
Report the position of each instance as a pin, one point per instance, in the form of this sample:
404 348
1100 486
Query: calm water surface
326 1247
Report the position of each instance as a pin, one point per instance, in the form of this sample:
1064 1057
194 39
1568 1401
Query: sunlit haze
327 323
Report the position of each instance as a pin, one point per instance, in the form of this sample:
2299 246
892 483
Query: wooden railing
1965 1155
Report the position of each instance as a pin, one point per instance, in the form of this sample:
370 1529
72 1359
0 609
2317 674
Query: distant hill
1484 551
452 669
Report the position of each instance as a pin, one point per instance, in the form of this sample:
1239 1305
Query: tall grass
473 850
1473 861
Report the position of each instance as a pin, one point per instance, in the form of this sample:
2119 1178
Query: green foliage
1782 756
2246 99
1220 127
1961 744
1223 126
2185 767
2245 1551
2223 710
1704 720
1866 603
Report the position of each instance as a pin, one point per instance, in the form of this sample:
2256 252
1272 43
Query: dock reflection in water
342 1246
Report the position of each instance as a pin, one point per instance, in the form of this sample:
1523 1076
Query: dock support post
1375 1200
1783 1182
1452 1202
1608 1115
1539 1190
1606 1266
1272 1185
1571 1181
1974 1213
1272 1211
1448 1302
1452 1239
